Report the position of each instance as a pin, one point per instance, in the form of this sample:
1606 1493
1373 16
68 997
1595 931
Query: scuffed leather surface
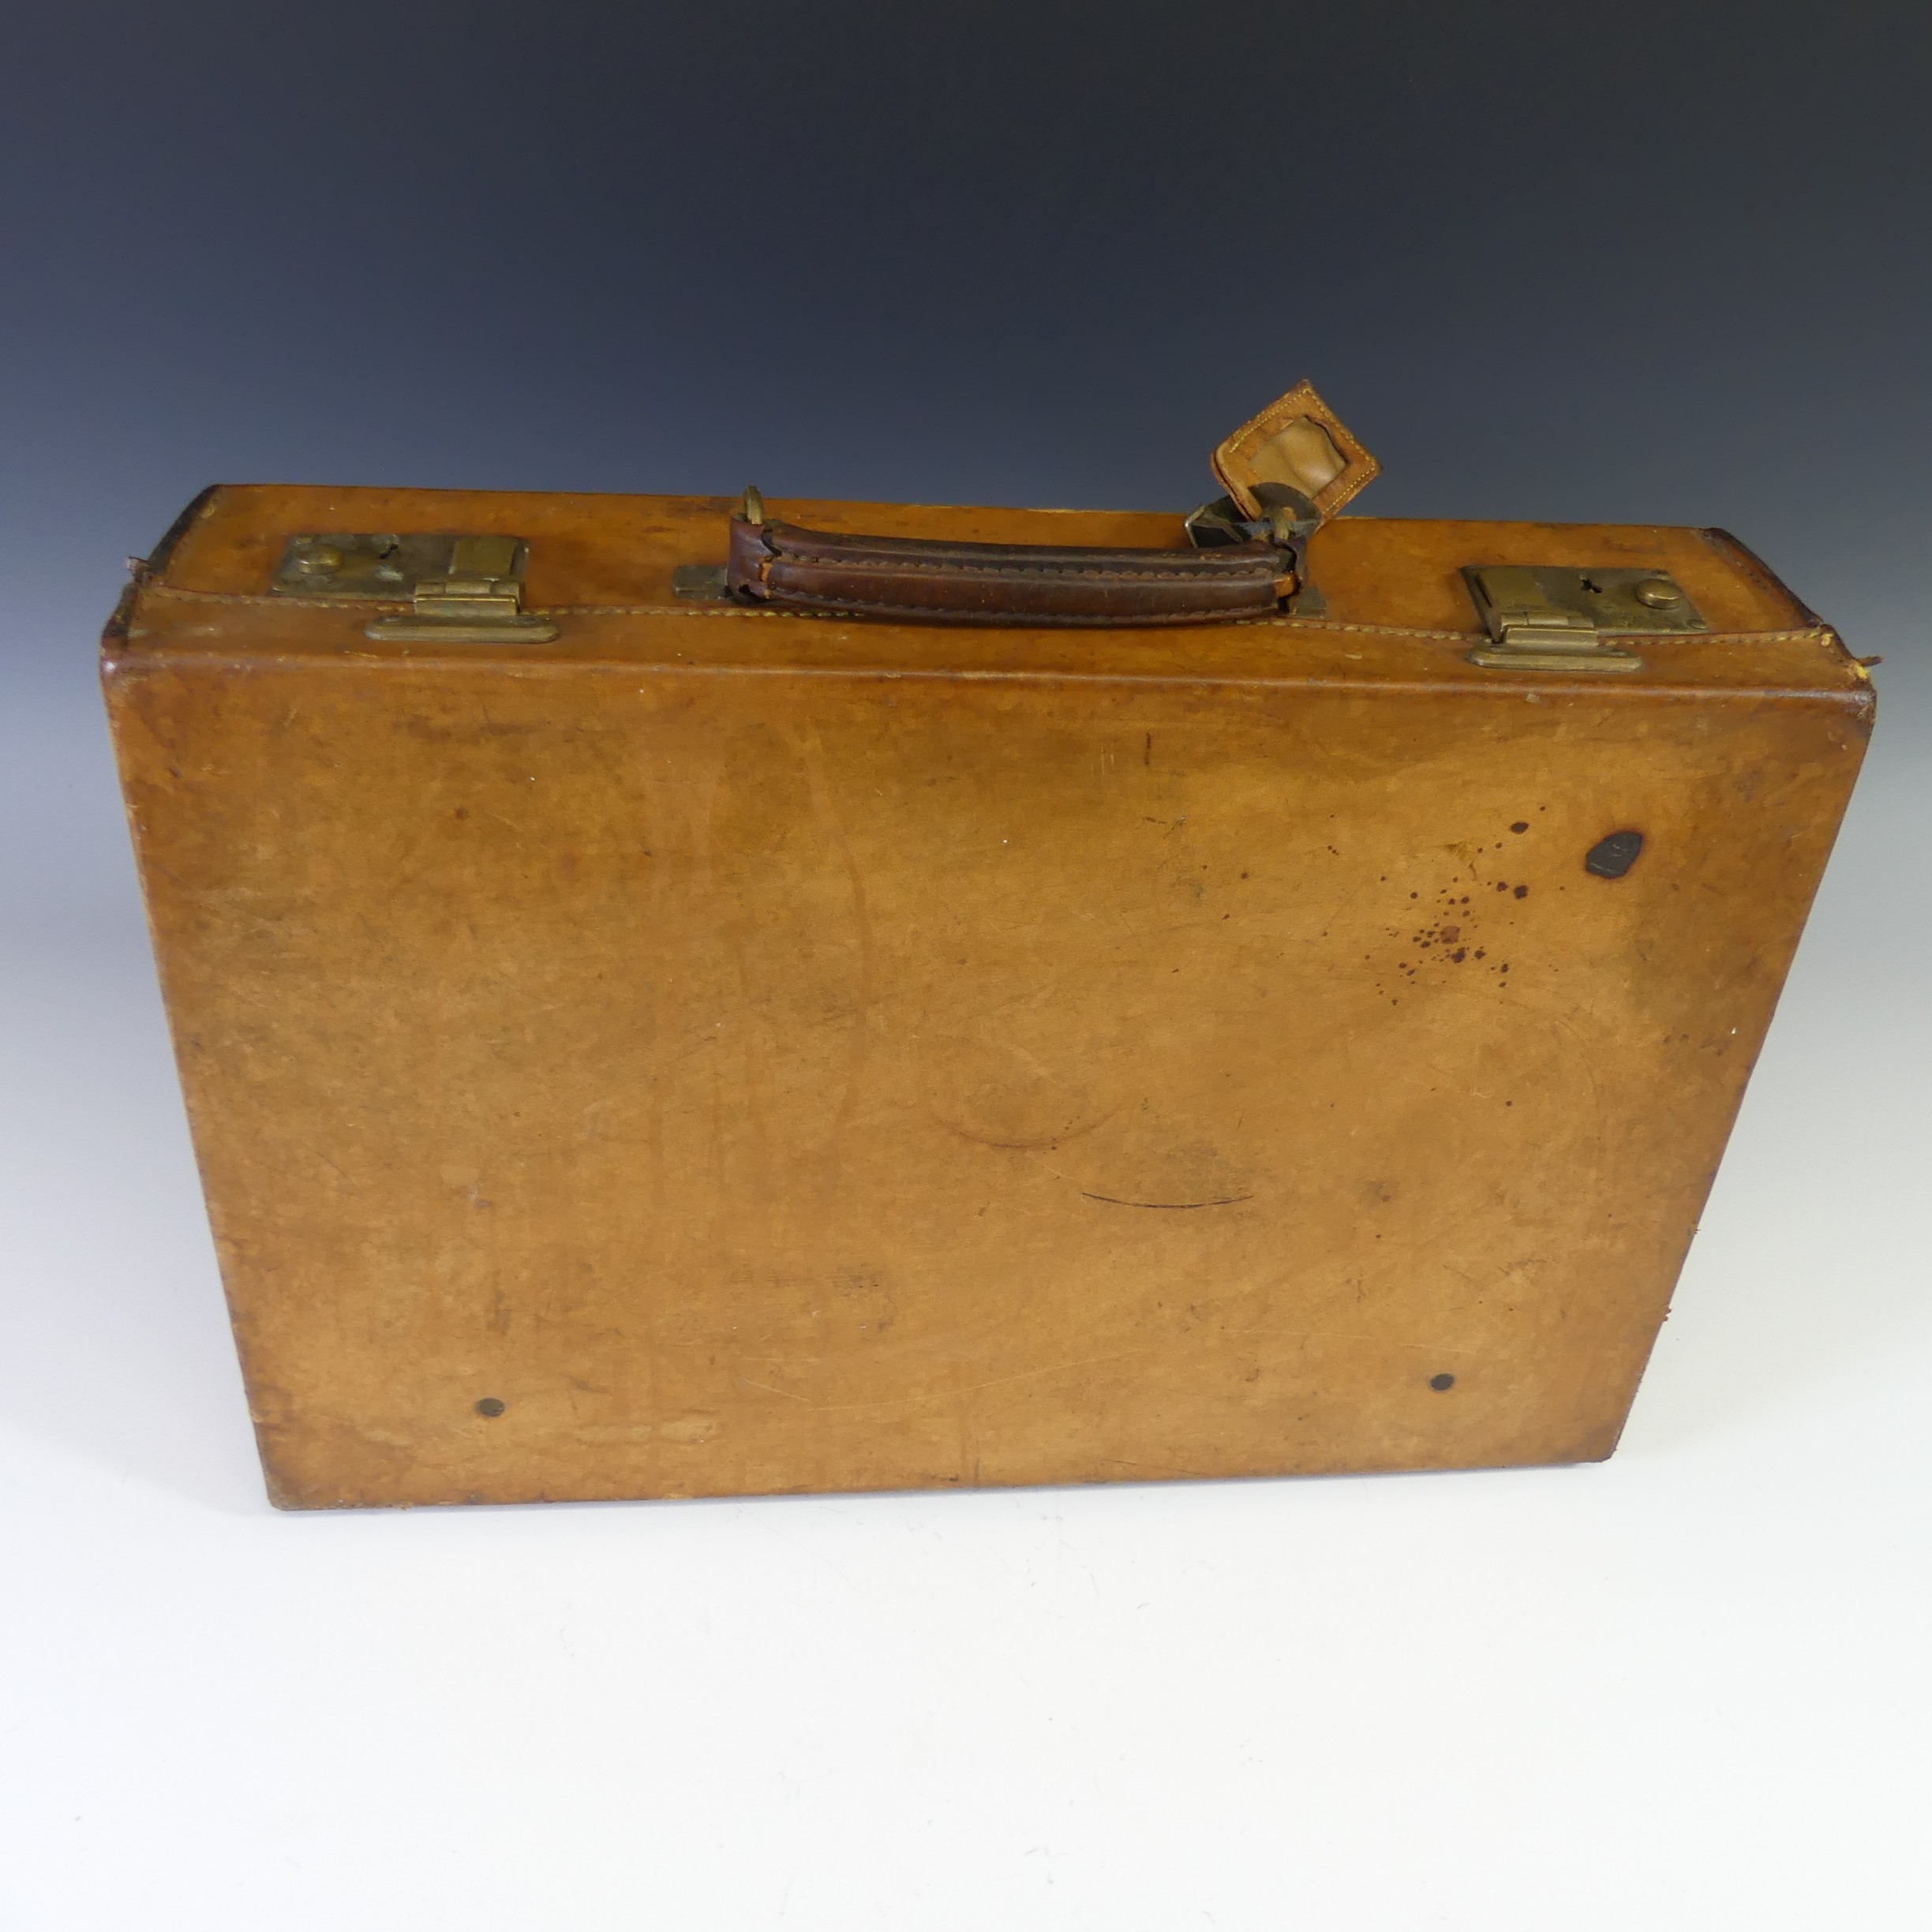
772 1052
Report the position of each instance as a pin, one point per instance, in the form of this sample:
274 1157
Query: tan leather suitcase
682 998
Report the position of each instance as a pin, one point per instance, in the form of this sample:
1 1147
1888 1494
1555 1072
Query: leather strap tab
1299 441
929 581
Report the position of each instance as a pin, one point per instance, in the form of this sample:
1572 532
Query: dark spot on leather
1521 825
1612 857
1442 1381
491 1406
1460 954
1522 892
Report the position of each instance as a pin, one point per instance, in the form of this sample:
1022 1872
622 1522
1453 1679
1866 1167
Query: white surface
1688 1687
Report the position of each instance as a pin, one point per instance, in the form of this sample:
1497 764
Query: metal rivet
1655 592
1442 1382
490 1406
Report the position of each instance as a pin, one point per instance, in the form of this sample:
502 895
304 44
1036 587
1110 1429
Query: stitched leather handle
1285 471
923 581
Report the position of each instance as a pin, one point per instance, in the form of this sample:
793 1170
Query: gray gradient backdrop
1648 263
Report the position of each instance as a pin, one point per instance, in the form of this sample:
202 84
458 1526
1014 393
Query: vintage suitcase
680 999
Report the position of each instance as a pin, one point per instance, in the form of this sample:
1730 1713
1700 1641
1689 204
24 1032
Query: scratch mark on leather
322 1157
1039 1143
1114 1201
826 809
1275 1334
1159 1469
950 1394
746 1382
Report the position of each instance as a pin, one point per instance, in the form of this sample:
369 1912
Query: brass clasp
1546 618
466 589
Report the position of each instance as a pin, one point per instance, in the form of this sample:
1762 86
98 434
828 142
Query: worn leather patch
1298 439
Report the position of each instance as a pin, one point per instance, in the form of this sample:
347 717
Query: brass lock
1544 618
461 590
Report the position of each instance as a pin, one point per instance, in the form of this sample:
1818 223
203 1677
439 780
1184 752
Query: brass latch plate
461 589
1543 617
701 583
338 564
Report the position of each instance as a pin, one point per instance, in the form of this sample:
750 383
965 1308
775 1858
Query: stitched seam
1823 633
1496 689
1641 637
246 599
249 597
831 607
1184 572
655 610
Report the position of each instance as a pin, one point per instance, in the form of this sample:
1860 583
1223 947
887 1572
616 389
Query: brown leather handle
1285 471
926 582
